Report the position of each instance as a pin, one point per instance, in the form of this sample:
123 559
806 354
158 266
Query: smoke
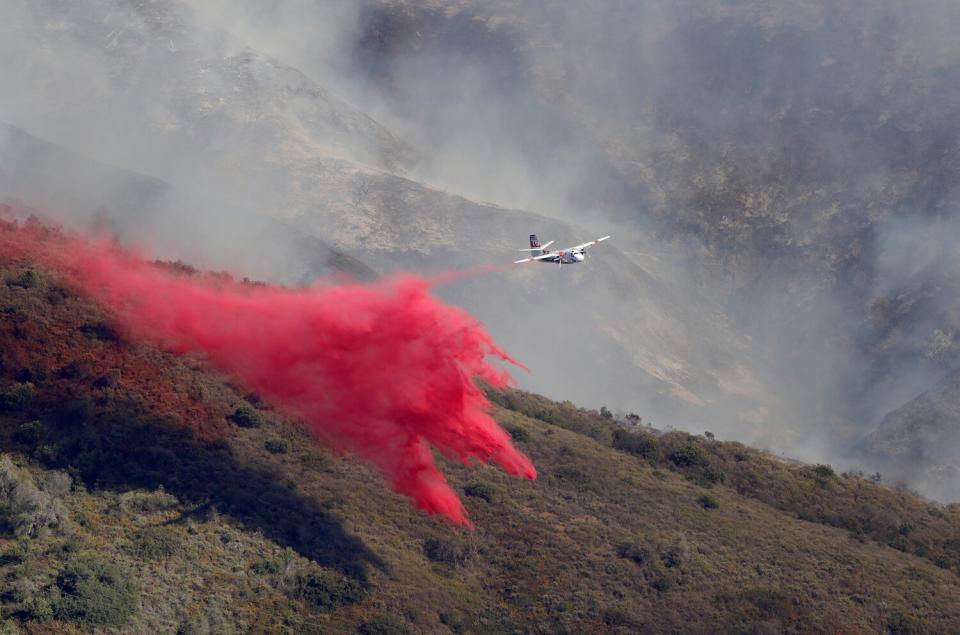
773 175
382 370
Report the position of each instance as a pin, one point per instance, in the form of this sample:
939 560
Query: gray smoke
780 178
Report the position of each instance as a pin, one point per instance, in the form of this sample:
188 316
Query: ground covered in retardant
144 492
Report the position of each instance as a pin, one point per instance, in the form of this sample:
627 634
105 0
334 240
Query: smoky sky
780 178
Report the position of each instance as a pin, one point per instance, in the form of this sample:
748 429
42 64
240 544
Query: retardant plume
385 370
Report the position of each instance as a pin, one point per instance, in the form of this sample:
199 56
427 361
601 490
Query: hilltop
143 492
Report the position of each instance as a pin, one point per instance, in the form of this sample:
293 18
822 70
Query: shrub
710 474
77 369
101 331
446 551
708 502
632 551
605 412
24 509
107 380
823 471
148 502
267 566
29 279
246 417
480 490
55 483
34 375
900 624
689 455
518 434
95 594
28 433
74 413
16 397
767 603
156 543
38 608
639 443
277 445
572 476
327 590
385 625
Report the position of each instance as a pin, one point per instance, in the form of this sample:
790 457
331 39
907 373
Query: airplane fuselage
565 257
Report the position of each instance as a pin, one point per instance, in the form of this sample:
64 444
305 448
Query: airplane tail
536 249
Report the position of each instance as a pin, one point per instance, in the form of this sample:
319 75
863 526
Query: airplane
569 256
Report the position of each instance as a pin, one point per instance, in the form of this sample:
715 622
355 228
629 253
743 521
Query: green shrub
823 471
447 551
689 455
267 566
246 417
156 543
708 502
605 412
572 476
480 490
148 502
327 590
385 625
277 445
16 397
710 474
639 443
95 594
518 434
632 551
38 608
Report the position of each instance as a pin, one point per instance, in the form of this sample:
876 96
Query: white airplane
569 256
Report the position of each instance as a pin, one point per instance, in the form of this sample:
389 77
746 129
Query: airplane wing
589 244
543 257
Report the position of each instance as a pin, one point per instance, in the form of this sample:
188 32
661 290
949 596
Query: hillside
143 492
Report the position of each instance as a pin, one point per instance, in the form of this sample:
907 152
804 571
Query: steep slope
179 518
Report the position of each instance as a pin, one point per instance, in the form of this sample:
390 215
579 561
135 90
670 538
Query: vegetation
93 594
483 491
247 417
142 504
